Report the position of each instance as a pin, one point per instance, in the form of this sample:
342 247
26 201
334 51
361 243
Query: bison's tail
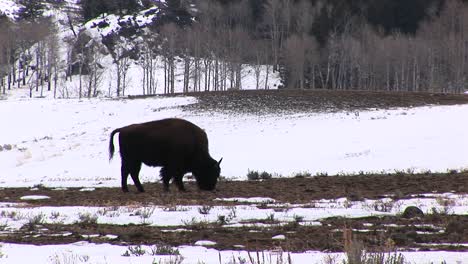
111 143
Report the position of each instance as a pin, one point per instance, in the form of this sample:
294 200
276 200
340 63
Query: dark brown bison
176 145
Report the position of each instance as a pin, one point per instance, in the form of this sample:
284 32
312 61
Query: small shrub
270 218
255 175
303 174
452 171
205 209
68 257
86 219
1 253
178 259
356 253
145 213
298 218
54 215
34 221
321 174
384 206
162 249
195 224
134 251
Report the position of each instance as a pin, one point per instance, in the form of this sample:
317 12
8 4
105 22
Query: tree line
313 44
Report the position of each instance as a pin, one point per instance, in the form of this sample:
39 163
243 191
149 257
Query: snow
63 143
247 200
279 237
34 197
9 8
205 243
75 134
106 253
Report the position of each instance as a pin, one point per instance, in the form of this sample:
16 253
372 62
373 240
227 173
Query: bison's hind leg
124 170
132 168
134 173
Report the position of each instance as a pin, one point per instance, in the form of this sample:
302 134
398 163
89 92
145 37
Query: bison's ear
219 162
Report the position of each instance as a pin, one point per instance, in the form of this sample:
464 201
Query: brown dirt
262 102
403 233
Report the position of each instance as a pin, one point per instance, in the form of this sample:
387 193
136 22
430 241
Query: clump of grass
270 218
298 218
225 219
302 174
163 249
1 253
205 209
145 213
253 175
85 219
34 222
134 251
196 224
384 206
68 257
3 227
261 258
178 259
356 253
321 174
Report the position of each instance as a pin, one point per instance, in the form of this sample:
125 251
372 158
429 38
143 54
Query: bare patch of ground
436 231
267 102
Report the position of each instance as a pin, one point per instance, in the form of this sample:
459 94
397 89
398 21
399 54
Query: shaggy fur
176 145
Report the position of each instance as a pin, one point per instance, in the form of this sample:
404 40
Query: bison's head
207 177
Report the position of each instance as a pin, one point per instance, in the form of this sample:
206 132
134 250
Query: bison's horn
219 162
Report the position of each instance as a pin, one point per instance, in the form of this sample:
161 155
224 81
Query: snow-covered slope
105 26
9 8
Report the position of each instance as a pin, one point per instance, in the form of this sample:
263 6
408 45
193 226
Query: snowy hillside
9 8
125 33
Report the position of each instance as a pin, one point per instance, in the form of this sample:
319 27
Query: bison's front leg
166 178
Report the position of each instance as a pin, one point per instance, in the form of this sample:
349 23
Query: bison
176 145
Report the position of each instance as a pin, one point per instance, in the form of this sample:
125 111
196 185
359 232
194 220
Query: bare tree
122 64
148 62
170 33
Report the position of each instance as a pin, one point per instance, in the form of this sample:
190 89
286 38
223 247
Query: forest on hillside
384 45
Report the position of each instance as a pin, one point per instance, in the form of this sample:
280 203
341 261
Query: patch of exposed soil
427 232
283 190
265 102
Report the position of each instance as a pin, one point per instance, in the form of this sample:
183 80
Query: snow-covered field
63 143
